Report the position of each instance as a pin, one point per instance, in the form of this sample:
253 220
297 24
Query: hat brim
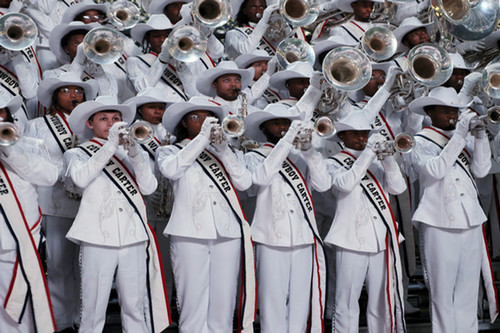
13 104
400 32
204 83
246 60
341 129
174 113
345 5
140 100
77 8
418 105
57 34
278 80
157 6
48 86
255 119
78 118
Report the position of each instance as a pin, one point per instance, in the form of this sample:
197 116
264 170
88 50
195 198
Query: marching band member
449 217
289 255
111 225
60 95
364 232
25 297
209 234
170 8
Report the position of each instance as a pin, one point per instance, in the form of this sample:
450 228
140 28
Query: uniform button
105 234
375 217
215 203
210 186
120 209
291 211
118 192
288 195
462 194
457 179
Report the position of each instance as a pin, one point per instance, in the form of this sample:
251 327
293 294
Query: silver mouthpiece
258 15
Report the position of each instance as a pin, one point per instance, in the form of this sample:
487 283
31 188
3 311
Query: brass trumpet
491 117
9 134
140 132
325 127
403 143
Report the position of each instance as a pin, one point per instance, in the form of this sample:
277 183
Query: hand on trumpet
470 87
266 15
116 132
464 121
376 143
164 55
272 66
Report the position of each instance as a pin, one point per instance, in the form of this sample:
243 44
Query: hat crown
107 100
159 22
446 94
301 67
355 120
458 61
411 21
153 92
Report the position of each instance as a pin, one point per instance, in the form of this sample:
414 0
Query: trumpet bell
103 45
233 126
490 80
347 68
379 43
493 114
17 31
186 44
124 14
141 132
291 50
404 142
9 134
430 64
325 127
212 13
299 13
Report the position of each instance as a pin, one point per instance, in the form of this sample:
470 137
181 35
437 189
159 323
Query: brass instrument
491 117
140 132
123 14
9 134
403 143
103 45
490 80
429 64
211 13
186 43
299 13
17 31
347 69
325 127
379 43
291 50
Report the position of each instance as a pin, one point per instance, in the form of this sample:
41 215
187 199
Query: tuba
17 31
186 43
123 14
299 13
429 64
9 134
211 13
346 68
379 43
293 49
103 45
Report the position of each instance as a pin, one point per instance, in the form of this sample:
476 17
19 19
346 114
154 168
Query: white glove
206 128
271 66
6 55
133 149
16 6
374 140
80 57
316 80
306 127
391 77
292 131
470 82
185 13
268 11
118 129
164 55
462 128
470 45
221 147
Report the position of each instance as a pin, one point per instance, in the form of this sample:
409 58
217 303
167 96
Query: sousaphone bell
103 45
17 31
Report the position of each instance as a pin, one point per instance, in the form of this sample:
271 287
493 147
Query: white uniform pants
452 266
206 278
63 276
353 270
7 324
284 287
99 265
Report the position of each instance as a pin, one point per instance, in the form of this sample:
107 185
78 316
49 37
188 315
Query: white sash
215 170
70 2
207 61
264 43
354 30
292 175
28 278
121 177
169 76
151 147
60 130
9 81
375 194
271 96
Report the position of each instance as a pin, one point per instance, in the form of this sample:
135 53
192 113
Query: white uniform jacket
200 210
27 165
448 197
279 219
357 224
52 199
105 216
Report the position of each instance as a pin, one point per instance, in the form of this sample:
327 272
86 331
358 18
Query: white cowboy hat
155 22
328 44
356 120
204 82
492 40
157 6
296 70
437 96
409 24
48 86
82 112
13 103
148 95
458 61
177 111
61 30
271 111
345 5
75 9
246 60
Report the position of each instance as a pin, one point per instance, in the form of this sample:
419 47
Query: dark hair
65 39
146 46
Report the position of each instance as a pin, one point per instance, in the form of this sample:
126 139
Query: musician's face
71 46
5 3
68 97
443 117
194 120
4 114
252 8
297 87
354 139
228 86
90 16
456 80
274 129
156 39
376 81
362 10
152 112
416 37
173 11
260 68
102 121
